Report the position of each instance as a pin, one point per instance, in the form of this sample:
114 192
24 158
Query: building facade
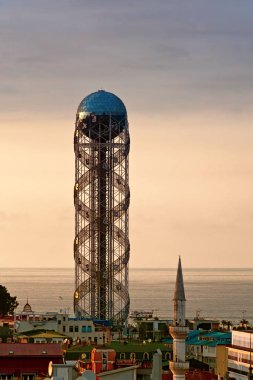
28 361
240 355
85 330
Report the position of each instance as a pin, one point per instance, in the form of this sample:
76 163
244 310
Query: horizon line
135 268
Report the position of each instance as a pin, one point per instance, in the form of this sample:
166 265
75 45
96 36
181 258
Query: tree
7 303
244 323
223 324
226 325
229 325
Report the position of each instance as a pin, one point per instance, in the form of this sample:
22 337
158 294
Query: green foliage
226 325
146 330
7 303
5 332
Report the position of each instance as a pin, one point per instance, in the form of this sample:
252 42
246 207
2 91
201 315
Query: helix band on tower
101 198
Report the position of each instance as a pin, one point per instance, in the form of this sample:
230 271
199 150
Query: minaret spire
179 297
179 330
179 288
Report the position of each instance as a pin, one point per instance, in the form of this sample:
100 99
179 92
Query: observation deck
179 368
179 332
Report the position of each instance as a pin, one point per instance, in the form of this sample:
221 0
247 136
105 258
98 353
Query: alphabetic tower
101 198
179 330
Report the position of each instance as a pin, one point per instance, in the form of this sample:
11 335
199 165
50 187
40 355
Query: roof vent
11 352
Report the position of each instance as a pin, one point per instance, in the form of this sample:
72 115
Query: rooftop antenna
198 314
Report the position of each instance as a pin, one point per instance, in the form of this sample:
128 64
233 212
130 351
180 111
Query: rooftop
30 349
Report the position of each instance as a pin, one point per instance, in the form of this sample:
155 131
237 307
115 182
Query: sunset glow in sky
183 68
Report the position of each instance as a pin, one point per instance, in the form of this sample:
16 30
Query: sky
183 68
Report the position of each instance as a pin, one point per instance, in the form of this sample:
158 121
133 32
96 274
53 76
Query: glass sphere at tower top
102 103
101 115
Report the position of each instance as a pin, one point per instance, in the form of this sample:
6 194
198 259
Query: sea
210 293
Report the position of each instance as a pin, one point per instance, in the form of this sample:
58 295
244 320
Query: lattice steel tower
101 197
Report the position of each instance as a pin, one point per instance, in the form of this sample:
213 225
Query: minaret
179 330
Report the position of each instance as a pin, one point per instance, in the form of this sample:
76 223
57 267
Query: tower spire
179 297
179 294
179 330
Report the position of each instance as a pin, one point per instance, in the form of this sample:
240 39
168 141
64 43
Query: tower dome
27 308
102 115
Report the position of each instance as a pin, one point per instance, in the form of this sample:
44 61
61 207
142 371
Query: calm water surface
220 293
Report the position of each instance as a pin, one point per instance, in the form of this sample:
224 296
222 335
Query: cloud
186 51
8 90
184 70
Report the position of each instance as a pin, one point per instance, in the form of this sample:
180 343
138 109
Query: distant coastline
221 293
143 268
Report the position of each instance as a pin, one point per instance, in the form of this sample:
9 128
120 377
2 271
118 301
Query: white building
82 329
240 355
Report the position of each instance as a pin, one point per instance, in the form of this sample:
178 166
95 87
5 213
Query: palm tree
223 324
244 323
229 325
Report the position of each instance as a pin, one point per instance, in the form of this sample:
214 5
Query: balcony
179 332
179 367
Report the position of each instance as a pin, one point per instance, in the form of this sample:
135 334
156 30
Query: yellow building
221 360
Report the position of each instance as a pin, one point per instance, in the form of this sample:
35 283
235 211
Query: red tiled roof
7 371
30 349
9 318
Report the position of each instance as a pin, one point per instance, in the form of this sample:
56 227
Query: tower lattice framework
101 198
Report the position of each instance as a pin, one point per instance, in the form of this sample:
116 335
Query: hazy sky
184 71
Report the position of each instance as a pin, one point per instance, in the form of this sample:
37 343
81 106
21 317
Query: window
146 356
132 356
89 329
29 376
167 356
122 355
71 329
83 329
76 329
64 328
59 322
104 357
